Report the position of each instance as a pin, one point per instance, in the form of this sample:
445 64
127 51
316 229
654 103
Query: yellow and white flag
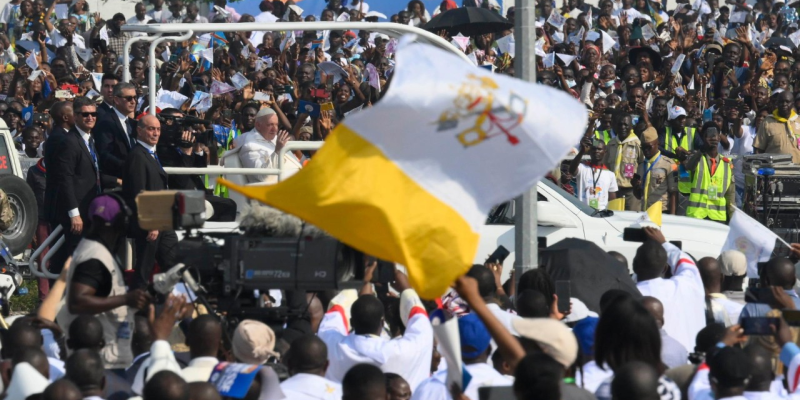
412 179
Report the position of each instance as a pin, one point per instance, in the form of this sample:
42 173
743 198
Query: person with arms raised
682 294
408 356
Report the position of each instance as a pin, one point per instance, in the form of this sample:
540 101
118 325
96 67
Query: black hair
362 381
538 279
366 315
85 368
627 332
538 376
532 303
650 260
635 380
485 278
85 332
167 385
730 368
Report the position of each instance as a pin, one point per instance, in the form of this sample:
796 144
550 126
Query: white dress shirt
199 369
311 387
161 16
58 40
682 296
135 21
161 359
434 388
408 356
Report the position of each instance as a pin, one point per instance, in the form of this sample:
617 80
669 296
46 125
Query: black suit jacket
141 172
71 180
172 157
104 109
113 143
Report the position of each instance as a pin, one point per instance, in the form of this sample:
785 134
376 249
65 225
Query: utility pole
525 218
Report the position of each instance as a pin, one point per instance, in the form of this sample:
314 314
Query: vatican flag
412 179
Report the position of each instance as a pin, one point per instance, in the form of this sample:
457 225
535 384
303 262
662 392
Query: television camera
273 250
172 128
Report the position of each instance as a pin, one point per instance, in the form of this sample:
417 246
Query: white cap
676 112
265 112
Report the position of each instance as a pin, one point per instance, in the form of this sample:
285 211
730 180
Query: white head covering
675 112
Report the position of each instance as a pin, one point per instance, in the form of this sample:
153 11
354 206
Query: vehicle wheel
23 202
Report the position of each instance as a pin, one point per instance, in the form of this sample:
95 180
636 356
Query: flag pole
525 217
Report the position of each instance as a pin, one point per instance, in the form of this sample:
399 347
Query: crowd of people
677 99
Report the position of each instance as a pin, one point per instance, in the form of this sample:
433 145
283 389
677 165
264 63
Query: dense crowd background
674 95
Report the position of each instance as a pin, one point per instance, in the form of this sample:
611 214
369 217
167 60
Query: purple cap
105 207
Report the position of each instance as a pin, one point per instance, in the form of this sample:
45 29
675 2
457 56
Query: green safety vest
703 201
219 190
687 141
605 135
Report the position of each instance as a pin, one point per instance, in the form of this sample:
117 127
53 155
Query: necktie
153 153
129 129
713 166
93 153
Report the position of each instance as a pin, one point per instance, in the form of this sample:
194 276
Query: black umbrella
590 270
780 41
469 21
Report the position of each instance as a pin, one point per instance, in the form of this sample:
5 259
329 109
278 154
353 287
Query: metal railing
390 29
126 58
214 171
34 266
151 90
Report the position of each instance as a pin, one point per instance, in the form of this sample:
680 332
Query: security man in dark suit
73 179
108 82
115 133
143 172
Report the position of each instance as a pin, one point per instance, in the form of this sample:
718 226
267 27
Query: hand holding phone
564 294
760 326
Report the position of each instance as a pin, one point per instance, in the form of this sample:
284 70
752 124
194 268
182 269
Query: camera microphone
164 282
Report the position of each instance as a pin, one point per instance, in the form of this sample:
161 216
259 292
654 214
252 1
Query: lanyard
597 177
647 178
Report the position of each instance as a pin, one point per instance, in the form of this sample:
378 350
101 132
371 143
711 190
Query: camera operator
188 152
95 283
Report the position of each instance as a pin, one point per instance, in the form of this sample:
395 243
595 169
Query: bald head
35 357
711 274
655 308
762 375
148 129
203 391
86 332
205 334
62 389
85 368
635 381
779 271
364 382
21 335
309 355
166 385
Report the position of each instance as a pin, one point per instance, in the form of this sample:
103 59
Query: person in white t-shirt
596 184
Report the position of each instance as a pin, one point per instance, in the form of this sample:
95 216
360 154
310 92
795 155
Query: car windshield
571 198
